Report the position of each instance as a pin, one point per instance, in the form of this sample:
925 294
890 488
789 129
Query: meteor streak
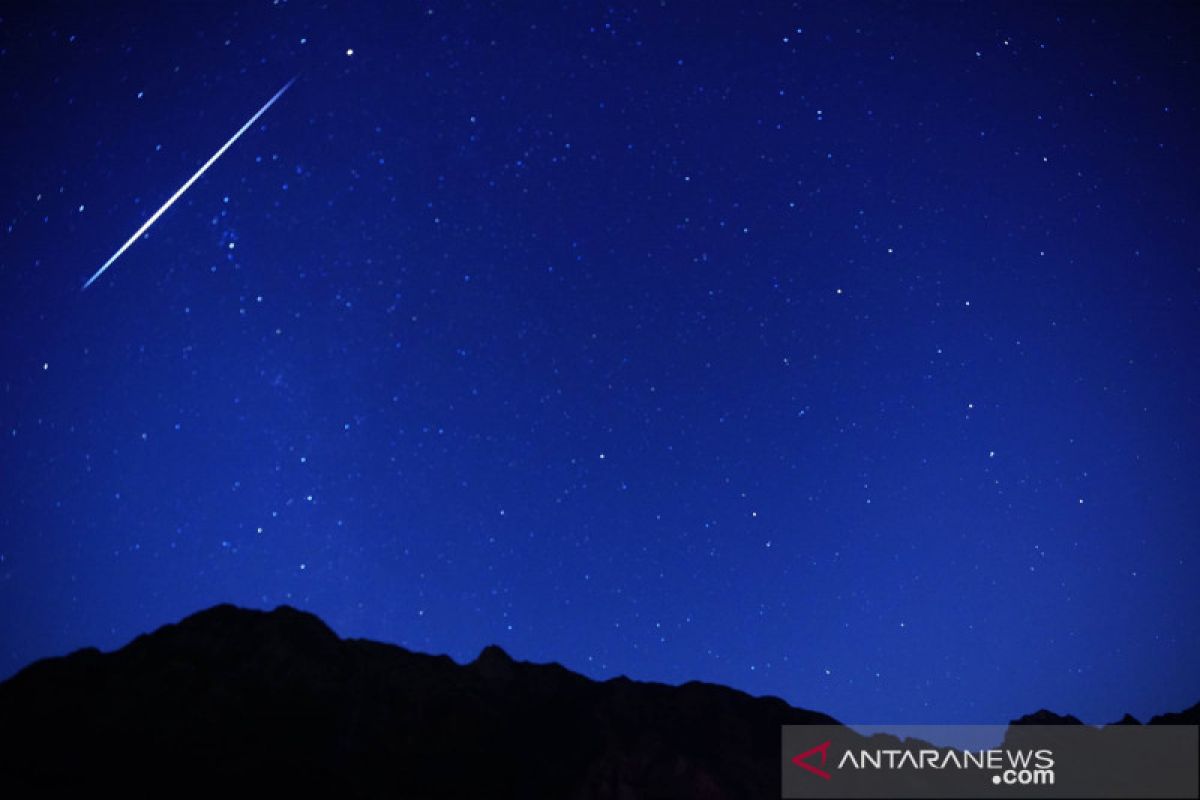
154 217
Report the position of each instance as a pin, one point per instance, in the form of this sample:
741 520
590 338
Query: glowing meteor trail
154 217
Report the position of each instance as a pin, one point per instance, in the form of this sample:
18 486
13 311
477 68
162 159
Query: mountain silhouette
232 698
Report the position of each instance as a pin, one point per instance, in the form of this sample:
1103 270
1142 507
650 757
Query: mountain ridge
230 695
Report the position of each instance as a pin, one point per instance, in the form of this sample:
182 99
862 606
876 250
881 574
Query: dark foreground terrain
231 699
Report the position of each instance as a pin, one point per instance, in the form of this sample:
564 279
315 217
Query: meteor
171 201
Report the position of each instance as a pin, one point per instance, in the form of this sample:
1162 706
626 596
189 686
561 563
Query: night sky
848 353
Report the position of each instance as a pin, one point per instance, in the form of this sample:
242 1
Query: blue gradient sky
847 353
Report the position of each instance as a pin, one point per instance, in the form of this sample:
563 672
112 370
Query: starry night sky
846 353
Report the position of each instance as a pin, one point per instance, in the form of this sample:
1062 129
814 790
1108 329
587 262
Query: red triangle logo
802 759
